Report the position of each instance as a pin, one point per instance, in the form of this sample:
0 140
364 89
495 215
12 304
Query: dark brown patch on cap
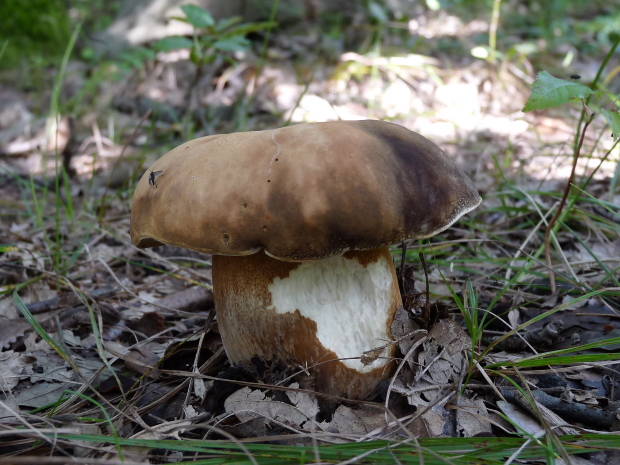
301 192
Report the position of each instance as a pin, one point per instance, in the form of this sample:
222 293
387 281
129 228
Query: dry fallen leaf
12 366
404 330
306 403
472 417
8 407
41 394
248 404
522 419
432 423
11 329
355 421
443 353
441 363
575 460
8 309
140 359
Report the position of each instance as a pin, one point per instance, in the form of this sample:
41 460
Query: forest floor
103 349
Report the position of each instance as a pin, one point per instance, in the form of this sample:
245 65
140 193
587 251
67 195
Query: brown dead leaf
140 359
403 330
305 403
191 299
149 324
8 406
29 255
575 460
431 424
7 308
521 418
41 394
357 421
11 329
583 397
248 404
35 343
443 353
441 362
12 367
472 417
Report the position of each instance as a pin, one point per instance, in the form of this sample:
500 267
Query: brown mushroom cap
301 192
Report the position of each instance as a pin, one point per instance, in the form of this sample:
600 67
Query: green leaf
549 91
613 119
232 44
172 43
378 12
226 23
246 28
136 57
563 360
454 451
197 16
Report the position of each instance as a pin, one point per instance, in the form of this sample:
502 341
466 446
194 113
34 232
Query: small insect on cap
300 192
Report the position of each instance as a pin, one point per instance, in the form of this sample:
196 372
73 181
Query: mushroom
299 220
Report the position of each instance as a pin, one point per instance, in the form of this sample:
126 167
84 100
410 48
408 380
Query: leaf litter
143 367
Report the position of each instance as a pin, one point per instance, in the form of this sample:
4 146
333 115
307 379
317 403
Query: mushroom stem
321 314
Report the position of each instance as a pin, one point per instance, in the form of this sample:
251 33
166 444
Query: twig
493 30
579 137
560 208
55 302
571 411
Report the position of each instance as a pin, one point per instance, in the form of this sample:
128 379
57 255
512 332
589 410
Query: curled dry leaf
577 460
248 404
520 418
441 362
472 417
41 394
357 421
305 403
140 359
443 353
434 421
11 329
194 298
12 366
404 330
8 407
7 309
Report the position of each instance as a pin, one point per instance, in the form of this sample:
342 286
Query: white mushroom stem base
332 316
